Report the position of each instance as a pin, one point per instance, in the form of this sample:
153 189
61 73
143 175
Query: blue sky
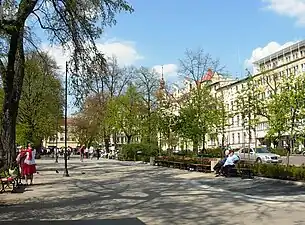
235 31
230 30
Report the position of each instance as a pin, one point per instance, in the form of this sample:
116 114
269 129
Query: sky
237 32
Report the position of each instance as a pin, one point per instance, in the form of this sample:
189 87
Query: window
237 120
238 138
233 141
232 121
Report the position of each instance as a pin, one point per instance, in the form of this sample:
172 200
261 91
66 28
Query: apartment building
265 71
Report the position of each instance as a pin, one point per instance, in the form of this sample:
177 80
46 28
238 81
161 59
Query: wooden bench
201 166
245 169
8 181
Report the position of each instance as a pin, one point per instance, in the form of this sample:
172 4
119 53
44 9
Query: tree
125 111
41 102
72 23
198 116
147 83
199 67
85 126
166 117
290 106
197 63
248 105
222 118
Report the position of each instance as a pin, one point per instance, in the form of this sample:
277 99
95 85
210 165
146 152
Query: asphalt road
111 192
295 160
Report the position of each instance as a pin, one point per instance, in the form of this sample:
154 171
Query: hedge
278 171
143 152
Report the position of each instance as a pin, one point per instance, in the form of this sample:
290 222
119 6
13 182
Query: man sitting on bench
230 163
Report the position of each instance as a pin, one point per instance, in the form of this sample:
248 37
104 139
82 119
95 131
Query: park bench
8 180
201 166
245 169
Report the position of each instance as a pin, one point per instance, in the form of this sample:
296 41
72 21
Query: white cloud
262 52
125 51
169 70
291 8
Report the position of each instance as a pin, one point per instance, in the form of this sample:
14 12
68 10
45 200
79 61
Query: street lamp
56 142
66 173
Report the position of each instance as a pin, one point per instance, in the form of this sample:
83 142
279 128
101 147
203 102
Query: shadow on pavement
127 221
154 195
255 187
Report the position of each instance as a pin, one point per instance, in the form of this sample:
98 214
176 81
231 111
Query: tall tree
41 102
74 24
199 67
85 126
125 112
199 116
196 64
147 83
167 117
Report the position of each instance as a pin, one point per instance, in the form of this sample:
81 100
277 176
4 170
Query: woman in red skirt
29 167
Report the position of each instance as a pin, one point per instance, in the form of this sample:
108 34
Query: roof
281 52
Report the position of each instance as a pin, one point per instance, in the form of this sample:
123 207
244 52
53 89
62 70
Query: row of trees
143 108
118 100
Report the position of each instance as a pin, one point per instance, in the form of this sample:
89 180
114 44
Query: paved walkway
151 195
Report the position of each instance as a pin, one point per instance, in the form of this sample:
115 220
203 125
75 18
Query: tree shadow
126 221
156 196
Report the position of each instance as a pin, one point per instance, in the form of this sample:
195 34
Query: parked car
259 155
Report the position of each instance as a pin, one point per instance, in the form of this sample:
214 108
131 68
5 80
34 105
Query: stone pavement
143 194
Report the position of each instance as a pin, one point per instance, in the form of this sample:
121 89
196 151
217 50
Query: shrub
138 151
212 153
278 171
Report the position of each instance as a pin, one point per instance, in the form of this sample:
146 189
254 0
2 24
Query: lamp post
66 173
56 142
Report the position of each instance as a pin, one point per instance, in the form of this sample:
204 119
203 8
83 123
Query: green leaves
124 112
41 102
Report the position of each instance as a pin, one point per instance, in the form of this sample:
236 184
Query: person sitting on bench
218 166
230 163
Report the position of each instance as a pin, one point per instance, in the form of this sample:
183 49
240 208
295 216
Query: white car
259 155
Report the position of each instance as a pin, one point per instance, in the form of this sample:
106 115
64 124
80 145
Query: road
131 193
295 160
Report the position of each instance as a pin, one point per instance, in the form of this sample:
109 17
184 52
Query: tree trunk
12 85
195 146
128 138
107 143
203 143
114 140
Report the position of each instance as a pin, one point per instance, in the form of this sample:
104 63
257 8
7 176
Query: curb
297 183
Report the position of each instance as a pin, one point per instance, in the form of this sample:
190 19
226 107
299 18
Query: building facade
266 73
59 138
